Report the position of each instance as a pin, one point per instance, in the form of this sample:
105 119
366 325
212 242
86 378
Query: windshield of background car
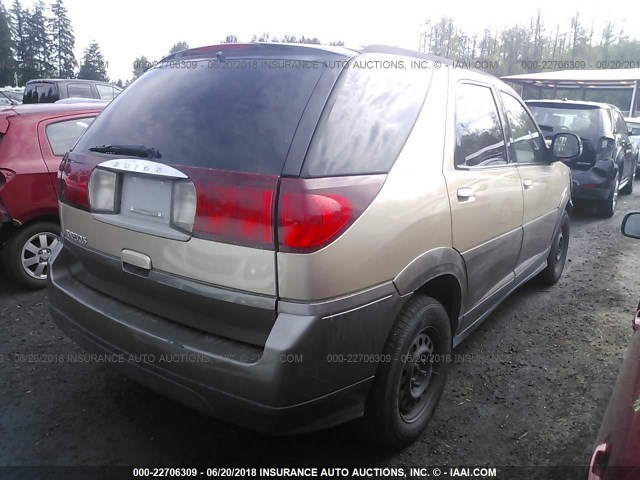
224 115
584 122
17 96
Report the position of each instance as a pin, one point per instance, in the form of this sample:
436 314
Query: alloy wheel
36 252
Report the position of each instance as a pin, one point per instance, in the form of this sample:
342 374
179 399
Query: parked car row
313 213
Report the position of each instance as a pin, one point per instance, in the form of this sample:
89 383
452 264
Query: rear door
226 125
544 183
485 193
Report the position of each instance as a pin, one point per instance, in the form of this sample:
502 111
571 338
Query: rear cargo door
217 133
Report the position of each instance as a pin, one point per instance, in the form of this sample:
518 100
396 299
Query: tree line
530 47
39 42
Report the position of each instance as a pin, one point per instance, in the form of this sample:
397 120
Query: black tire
398 410
16 249
558 253
607 208
628 188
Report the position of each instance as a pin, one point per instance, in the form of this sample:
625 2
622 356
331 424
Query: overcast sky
126 29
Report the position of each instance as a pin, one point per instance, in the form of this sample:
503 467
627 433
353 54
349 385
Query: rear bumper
594 184
314 371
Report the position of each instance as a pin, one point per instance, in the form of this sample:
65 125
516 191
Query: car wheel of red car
26 254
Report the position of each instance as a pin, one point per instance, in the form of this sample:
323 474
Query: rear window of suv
41 92
231 115
368 117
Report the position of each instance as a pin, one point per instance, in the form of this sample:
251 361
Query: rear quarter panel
409 217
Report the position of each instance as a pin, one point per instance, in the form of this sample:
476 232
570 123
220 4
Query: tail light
240 208
102 191
73 183
313 212
234 207
183 206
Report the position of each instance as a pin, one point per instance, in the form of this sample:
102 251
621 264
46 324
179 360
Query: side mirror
566 146
631 225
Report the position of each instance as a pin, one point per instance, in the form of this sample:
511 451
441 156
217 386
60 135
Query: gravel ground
528 388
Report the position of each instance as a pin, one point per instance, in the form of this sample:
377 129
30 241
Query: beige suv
291 237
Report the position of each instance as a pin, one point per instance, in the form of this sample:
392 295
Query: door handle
466 195
527 184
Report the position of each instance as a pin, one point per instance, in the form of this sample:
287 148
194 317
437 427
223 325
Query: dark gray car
607 165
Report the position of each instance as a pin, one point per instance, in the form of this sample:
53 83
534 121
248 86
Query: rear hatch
41 91
168 199
586 121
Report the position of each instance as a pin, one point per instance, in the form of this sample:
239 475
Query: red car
617 452
33 140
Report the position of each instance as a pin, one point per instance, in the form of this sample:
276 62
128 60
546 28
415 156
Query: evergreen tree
177 47
39 41
23 48
63 41
140 65
7 65
93 65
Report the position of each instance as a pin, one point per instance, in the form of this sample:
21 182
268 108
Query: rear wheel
26 254
407 389
558 253
607 208
628 188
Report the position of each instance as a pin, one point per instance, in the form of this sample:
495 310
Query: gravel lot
529 387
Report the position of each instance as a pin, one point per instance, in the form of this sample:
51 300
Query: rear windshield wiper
131 150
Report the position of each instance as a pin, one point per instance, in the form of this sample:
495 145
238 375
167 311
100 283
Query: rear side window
63 135
41 93
232 115
106 92
368 117
82 90
479 137
526 144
